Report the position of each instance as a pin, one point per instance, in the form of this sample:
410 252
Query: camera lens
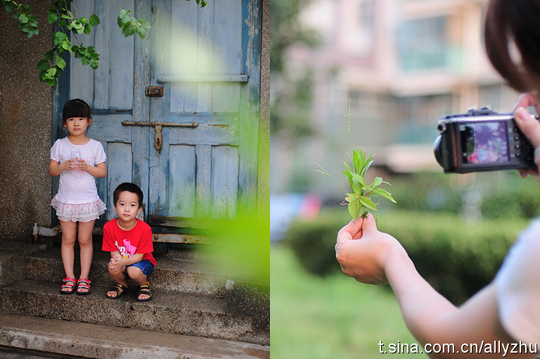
437 150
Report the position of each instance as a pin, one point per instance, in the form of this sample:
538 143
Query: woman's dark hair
510 22
130 187
75 108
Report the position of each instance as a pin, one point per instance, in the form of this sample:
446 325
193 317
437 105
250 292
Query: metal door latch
158 141
154 91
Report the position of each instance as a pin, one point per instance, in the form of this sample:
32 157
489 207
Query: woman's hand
528 124
364 252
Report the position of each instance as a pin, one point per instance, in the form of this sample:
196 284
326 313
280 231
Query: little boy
130 242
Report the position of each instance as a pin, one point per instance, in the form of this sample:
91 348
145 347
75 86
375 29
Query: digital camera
482 140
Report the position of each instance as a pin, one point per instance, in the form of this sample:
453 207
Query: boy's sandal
119 289
144 289
83 283
69 284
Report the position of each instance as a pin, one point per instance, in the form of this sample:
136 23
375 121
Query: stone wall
25 127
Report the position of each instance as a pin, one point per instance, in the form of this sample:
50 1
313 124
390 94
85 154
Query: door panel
182 175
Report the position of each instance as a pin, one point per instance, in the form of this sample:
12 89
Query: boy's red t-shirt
136 240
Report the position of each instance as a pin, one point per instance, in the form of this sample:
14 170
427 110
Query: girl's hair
75 108
514 23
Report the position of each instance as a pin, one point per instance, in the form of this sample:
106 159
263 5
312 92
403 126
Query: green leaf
59 37
365 166
356 186
366 202
347 174
356 177
141 31
144 23
49 55
77 26
383 193
87 29
354 208
357 160
43 65
351 197
66 45
60 62
94 20
376 182
52 18
128 29
123 17
42 75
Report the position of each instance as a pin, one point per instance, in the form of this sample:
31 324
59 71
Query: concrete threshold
107 342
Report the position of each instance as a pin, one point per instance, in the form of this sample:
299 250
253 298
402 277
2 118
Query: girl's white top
77 187
518 287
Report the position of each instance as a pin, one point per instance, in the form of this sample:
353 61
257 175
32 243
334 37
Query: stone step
13 255
189 297
175 272
105 342
181 313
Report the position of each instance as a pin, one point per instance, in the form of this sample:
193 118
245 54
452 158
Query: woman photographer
503 319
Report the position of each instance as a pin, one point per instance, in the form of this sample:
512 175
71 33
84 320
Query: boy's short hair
130 187
75 108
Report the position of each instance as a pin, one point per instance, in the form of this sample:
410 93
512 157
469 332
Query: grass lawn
330 318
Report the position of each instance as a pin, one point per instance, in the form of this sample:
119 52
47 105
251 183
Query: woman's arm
374 257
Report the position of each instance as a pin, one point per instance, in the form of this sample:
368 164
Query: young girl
77 159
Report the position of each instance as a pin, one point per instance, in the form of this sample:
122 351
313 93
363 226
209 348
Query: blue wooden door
192 150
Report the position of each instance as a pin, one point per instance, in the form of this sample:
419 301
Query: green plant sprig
364 196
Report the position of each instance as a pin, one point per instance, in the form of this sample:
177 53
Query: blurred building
399 65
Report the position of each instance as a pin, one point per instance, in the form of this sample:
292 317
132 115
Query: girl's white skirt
84 212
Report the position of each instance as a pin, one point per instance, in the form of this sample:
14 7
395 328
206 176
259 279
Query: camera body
482 140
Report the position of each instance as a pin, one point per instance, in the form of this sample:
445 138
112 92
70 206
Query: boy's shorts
145 266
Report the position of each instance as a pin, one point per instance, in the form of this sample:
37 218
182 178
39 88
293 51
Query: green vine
52 64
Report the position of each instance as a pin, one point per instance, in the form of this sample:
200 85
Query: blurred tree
291 88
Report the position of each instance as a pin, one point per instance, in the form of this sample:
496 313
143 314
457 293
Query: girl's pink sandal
69 284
